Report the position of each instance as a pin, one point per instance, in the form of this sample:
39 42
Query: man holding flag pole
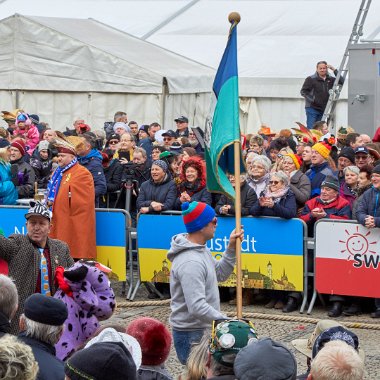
194 272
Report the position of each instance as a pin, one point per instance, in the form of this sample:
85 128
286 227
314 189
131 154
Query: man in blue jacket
91 159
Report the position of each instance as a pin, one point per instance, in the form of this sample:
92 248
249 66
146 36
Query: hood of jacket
180 244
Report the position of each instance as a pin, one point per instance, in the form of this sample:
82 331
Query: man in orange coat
71 196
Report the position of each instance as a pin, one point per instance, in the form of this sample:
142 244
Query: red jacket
376 138
338 209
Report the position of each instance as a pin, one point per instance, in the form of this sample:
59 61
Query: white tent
65 68
279 41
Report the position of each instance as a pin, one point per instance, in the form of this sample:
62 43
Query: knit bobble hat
297 160
154 339
331 182
196 215
322 148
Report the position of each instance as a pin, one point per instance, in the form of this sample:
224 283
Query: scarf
55 182
277 195
87 158
191 188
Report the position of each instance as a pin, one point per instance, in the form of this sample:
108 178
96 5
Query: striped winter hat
296 159
196 215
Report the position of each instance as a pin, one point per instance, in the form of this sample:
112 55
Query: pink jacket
32 137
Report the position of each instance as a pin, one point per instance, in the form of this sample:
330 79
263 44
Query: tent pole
164 94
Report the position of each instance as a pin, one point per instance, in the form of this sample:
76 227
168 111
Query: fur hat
196 215
20 145
154 339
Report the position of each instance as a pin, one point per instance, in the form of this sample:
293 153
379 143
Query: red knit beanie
20 145
154 339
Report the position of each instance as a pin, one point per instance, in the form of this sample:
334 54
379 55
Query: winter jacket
315 90
32 137
194 277
357 200
164 192
338 209
199 196
301 187
345 193
23 259
369 205
316 175
93 163
108 128
23 178
42 169
248 199
50 368
286 208
113 174
147 144
8 192
5 326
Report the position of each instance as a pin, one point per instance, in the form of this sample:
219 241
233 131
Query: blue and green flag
224 129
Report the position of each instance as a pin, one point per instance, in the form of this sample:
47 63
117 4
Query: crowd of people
53 342
297 172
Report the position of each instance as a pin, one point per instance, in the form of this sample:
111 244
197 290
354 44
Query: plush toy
87 293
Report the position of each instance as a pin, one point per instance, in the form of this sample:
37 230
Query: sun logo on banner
357 244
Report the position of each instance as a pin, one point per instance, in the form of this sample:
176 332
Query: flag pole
237 153
234 19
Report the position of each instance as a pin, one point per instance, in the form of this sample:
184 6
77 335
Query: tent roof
279 41
48 53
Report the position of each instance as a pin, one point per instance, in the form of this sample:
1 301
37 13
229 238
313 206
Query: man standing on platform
71 196
194 276
316 89
33 255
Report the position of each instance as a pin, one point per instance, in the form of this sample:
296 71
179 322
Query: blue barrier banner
272 250
111 240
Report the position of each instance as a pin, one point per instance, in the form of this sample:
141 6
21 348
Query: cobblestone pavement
282 331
